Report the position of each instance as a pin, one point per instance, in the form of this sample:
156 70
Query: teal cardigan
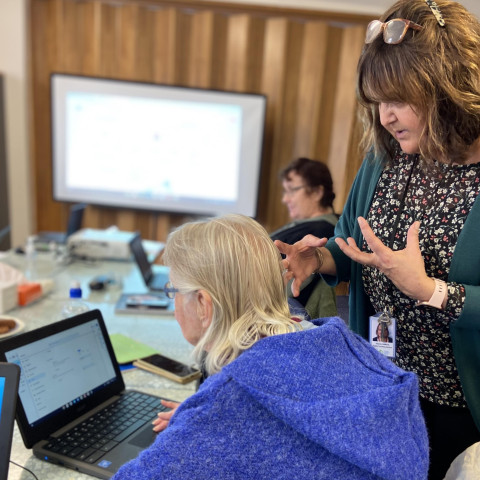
464 269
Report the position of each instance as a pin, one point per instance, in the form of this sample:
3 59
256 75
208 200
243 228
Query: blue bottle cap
75 292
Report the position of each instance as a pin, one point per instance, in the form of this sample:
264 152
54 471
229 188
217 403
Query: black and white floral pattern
440 198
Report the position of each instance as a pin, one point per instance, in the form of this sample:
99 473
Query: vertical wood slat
165 47
237 51
344 112
46 16
201 47
311 76
303 65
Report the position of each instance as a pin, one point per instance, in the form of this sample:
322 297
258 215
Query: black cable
25 468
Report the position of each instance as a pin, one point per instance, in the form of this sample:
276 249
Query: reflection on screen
2 389
58 370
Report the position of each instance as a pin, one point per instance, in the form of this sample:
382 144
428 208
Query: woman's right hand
163 418
300 259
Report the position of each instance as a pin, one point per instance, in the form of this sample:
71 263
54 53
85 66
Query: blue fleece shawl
317 404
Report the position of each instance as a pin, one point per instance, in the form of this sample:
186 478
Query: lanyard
391 239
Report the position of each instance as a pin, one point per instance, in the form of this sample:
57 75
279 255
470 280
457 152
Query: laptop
154 280
69 392
9 375
74 223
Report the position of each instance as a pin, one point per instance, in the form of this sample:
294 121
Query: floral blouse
440 198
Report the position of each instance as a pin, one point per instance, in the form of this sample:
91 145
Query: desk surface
162 333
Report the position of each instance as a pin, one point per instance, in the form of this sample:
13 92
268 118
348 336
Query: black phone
147 301
169 368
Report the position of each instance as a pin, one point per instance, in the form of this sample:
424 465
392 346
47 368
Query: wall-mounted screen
147 146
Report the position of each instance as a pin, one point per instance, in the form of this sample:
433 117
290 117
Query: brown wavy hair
435 70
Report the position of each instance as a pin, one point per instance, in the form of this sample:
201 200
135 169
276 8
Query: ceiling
374 7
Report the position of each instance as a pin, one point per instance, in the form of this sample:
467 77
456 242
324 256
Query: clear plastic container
75 304
30 259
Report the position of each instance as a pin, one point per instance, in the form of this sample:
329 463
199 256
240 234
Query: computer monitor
156 147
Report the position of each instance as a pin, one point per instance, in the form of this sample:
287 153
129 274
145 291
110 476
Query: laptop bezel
75 219
11 373
32 435
141 258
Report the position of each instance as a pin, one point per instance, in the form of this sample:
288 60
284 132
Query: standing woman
408 237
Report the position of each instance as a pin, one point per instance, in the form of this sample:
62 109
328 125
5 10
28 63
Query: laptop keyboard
97 435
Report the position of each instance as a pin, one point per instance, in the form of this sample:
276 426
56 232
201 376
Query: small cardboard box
28 292
8 296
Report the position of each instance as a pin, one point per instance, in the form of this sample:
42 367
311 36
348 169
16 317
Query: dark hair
383 329
315 174
436 70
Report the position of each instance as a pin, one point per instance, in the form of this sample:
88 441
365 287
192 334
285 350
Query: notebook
154 280
74 223
70 385
9 375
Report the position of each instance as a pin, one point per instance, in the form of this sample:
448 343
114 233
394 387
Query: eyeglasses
393 31
170 290
291 191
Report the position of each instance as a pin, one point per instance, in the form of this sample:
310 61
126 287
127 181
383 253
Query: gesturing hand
405 268
300 260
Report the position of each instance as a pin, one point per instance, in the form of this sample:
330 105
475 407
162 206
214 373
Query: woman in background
279 402
308 194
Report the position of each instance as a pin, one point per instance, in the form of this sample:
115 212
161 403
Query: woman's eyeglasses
291 191
393 31
170 290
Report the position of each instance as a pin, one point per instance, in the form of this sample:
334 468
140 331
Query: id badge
382 333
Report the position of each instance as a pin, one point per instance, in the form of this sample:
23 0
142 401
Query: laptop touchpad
145 438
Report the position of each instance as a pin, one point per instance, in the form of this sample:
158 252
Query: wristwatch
436 300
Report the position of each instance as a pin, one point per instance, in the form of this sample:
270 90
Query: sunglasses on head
393 31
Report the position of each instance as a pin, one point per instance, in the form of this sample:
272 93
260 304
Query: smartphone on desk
169 368
147 301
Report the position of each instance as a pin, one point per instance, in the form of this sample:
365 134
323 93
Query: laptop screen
61 370
2 389
8 396
141 257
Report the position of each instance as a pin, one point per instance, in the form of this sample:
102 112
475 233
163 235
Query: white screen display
155 147
57 370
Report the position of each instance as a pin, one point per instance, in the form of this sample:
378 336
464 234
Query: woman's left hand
405 268
163 418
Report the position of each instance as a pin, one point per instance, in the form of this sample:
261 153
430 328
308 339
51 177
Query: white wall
13 65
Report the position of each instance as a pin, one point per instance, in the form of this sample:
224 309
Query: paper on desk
127 350
9 274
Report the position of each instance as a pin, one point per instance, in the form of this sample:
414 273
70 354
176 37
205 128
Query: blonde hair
436 70
234 260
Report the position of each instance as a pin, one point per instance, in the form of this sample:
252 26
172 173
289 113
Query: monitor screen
148 146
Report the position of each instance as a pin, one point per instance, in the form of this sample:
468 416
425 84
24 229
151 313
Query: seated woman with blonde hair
280 401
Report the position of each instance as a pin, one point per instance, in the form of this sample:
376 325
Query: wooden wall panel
304 62
202 50
310 74
273 82
343 121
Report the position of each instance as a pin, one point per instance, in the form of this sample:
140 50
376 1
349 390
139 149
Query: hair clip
436 11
